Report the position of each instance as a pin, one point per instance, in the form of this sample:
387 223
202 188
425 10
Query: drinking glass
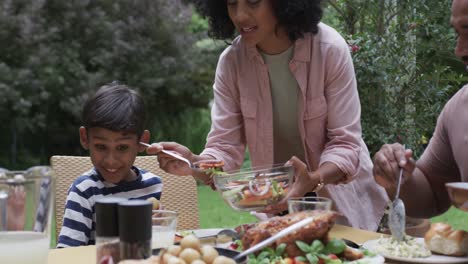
164 228
297 204
26 211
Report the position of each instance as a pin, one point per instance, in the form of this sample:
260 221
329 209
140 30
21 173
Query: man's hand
387 163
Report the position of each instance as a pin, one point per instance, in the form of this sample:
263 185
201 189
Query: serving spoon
223 236
397 214
172 154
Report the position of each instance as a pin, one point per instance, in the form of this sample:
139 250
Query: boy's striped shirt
79 218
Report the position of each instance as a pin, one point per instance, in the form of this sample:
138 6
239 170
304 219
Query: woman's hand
387 163
169 163
177 167
304 181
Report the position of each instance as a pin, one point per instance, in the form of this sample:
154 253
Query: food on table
190 241
242 196
190 251
442 239
318 229
210 164
308 244
179 235
333 252
155 203
253 190
211 167
409 247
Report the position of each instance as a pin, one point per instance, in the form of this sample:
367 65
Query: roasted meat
318 229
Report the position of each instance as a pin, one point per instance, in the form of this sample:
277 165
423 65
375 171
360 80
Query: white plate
201 233
205 232
438 259
377 259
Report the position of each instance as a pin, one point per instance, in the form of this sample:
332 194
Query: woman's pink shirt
328 112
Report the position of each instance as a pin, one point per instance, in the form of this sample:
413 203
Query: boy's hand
16 208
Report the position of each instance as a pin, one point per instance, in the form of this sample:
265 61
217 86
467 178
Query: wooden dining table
87 254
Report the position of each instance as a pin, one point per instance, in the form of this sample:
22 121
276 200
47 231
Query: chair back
179 193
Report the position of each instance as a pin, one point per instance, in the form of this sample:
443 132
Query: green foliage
56 53
189 127
198 24
404 74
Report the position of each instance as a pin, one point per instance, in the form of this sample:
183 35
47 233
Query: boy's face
113 153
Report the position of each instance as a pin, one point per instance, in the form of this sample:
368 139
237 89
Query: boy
113 125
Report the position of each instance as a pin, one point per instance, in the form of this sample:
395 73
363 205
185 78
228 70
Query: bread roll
442 239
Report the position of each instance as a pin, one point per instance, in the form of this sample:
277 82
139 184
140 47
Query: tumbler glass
308 204
164 228
26 213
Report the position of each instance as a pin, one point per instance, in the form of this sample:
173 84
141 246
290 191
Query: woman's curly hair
296 16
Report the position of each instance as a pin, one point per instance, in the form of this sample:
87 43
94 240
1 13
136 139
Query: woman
285 88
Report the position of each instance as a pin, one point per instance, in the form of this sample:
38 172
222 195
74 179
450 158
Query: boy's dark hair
297 17
115 107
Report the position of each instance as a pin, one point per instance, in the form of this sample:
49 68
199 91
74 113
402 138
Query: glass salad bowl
253 189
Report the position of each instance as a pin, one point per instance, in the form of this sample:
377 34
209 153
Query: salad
250 194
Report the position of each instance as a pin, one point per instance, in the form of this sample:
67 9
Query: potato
155 202
190 241
223 260
189 255
209 253
174 250
166 257
198 261
176 260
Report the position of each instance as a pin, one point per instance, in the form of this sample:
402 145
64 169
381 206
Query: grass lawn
215 213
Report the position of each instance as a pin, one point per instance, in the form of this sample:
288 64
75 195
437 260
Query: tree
56 53
404 74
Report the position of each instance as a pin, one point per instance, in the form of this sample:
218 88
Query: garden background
56 53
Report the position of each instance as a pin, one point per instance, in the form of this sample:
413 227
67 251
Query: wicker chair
179 193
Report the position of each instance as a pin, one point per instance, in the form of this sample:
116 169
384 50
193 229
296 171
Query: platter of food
310 244
204 254
441 244
190 250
